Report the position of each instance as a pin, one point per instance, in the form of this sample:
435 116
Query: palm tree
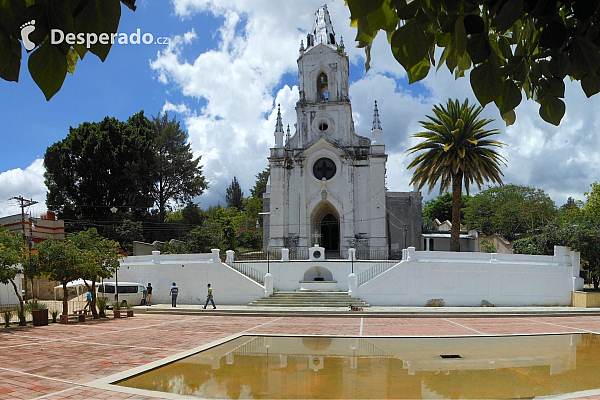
456 148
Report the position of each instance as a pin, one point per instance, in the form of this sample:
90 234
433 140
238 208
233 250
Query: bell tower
326 181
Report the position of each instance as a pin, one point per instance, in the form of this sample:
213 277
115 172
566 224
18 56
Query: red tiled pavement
56 361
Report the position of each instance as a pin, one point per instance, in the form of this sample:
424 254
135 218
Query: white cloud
239 85
28 183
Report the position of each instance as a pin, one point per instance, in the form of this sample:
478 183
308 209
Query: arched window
322 88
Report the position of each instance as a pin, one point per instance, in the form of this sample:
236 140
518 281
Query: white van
131 293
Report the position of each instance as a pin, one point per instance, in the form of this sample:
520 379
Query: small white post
352 285
268 284
230 256
285 254
215 254
156 257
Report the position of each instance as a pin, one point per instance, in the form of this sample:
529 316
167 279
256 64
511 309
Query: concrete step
309 299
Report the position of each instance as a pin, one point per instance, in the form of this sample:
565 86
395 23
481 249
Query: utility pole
28 240
25 203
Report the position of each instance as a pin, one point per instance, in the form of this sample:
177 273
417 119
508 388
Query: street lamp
114 211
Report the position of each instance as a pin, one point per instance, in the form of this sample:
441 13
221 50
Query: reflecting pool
368 368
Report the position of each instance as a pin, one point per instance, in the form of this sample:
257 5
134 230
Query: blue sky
229 64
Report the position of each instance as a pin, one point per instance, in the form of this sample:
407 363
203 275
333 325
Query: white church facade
327 183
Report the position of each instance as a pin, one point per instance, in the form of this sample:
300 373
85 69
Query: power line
25 203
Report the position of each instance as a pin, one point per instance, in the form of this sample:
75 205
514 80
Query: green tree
577 226
12 254
101 165
179 174
509 46
127 232
441 207
592 201
49 63
234 195
510 210
260 186
101 256
456 149
62 261
192 214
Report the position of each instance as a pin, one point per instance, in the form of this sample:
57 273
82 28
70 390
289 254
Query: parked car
131 293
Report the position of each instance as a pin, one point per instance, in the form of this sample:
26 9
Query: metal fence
302 253
51 305
249 272
376 270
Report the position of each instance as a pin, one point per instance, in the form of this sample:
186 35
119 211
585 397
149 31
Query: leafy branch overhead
32 21
510 46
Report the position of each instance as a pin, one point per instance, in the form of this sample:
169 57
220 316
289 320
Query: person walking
149 294
174 292
209 297
89 301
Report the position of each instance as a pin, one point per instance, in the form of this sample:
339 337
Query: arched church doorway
326 226
330 229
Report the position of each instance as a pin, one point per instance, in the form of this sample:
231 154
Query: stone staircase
308 298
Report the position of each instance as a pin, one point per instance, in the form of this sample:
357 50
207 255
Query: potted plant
102 303
54 314
129 309
26 310
117 309
39 312
6 316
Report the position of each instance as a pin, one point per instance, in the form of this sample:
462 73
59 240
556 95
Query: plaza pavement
68 361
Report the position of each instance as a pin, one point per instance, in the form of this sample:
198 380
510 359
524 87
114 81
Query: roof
447 235
322 31
78 282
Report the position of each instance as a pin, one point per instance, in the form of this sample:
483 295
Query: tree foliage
455 149
32 21
260 187
510 47
234 195
441 207
510 210
101 259
12 254
179 174
577 226
100 165
62 261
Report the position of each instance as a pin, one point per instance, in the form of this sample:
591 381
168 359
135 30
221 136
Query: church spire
376 130
376 121
279 128
287 137
322 31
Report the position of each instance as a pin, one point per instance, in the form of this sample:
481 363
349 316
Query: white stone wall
7 292
287 275
191 272
465 279
461 279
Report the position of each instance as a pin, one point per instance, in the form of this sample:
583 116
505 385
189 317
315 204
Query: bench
64 318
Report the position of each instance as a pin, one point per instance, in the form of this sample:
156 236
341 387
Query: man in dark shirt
149 294
174 292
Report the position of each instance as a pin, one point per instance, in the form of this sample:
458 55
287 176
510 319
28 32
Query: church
327 183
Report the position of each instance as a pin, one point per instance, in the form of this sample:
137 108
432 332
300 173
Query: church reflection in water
361 368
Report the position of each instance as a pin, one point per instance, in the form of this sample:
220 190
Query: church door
330 229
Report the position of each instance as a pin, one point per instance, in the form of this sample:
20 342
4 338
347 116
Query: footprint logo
26 29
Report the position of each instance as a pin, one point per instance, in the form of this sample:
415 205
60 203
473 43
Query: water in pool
376 368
